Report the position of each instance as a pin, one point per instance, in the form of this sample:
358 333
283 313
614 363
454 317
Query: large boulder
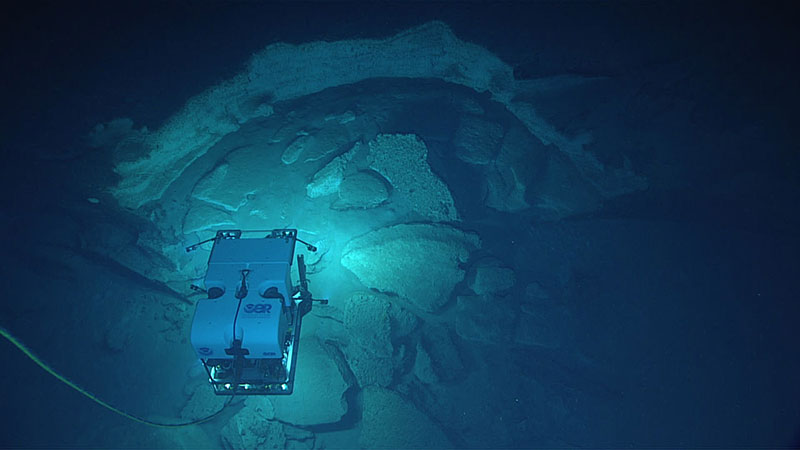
314 146
368 368
421 263
318 396
327 180
372 322
295 148
403 160
366 318
361 190
253 428
369 351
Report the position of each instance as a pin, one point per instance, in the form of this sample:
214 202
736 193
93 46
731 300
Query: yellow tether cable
32 356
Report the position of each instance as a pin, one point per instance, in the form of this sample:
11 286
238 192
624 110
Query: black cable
241 293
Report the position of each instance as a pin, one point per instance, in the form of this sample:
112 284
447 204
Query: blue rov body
247 331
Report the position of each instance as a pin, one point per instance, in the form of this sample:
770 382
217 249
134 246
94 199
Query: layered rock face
412 162
284 72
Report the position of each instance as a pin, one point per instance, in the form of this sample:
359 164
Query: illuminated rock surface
366 318
283 72
372 325
328 179
402 160
370 348
361 190
253 427
318 396
420 263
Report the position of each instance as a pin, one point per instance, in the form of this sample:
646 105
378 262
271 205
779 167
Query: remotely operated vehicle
247 331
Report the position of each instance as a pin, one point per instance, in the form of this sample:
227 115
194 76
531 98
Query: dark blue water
686 293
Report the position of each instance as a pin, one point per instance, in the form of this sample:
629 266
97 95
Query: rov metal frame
259 376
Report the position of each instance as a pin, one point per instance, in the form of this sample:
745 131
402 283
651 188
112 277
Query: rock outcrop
283 72
489 276
477 141
362 190
420 263
327 180
403 160
318 396
391 422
